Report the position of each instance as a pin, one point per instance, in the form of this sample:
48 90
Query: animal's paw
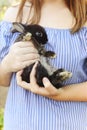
63 74
50 54
59 76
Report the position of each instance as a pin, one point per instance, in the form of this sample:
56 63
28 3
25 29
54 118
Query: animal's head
37 31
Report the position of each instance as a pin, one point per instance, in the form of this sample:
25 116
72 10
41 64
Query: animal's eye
39 34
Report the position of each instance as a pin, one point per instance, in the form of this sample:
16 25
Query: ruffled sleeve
6 38
83 38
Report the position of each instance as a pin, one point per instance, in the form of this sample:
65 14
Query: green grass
1 118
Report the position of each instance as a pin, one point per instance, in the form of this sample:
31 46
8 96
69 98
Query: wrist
5 66
62 95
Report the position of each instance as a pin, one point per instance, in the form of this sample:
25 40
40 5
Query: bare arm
5 77
74 92
20 55
14 61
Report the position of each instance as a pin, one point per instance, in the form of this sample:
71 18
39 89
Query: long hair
77 7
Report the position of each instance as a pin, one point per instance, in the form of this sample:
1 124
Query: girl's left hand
48 90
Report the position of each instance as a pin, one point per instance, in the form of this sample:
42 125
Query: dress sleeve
6 38
85 35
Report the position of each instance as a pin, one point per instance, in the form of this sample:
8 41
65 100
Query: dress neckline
49 28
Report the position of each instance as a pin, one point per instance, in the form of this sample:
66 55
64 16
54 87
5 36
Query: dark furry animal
85 66
39 38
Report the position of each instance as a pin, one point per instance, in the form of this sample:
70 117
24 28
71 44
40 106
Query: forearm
75 92
5 76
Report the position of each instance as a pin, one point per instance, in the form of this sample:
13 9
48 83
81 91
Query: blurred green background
4 4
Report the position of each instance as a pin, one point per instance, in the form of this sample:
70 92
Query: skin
24 55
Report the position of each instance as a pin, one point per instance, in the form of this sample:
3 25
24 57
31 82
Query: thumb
50 88
46 82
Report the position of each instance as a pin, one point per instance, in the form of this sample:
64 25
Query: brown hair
77 7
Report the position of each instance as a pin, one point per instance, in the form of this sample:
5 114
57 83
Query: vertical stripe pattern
27 111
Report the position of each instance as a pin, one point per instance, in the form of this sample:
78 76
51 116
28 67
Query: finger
43 92
27 50
24 44
47 83
22 83
29 57
25 64
18 76
32 74
49 87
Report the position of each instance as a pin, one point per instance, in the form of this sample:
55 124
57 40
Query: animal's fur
39 38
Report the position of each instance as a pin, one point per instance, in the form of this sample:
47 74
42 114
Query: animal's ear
17 27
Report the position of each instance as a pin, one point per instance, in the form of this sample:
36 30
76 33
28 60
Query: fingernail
45 80
20 71
36 63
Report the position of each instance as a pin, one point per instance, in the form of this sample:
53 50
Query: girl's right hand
21 55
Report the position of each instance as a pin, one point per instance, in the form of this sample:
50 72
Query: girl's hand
21 54
48 90
73 92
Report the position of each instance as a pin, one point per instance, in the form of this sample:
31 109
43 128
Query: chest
70 49
51 17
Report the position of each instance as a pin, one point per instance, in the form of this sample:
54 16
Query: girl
28 106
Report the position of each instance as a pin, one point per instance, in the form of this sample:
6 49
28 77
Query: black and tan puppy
38 35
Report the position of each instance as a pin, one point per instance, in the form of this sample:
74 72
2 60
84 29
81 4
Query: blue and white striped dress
27 111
